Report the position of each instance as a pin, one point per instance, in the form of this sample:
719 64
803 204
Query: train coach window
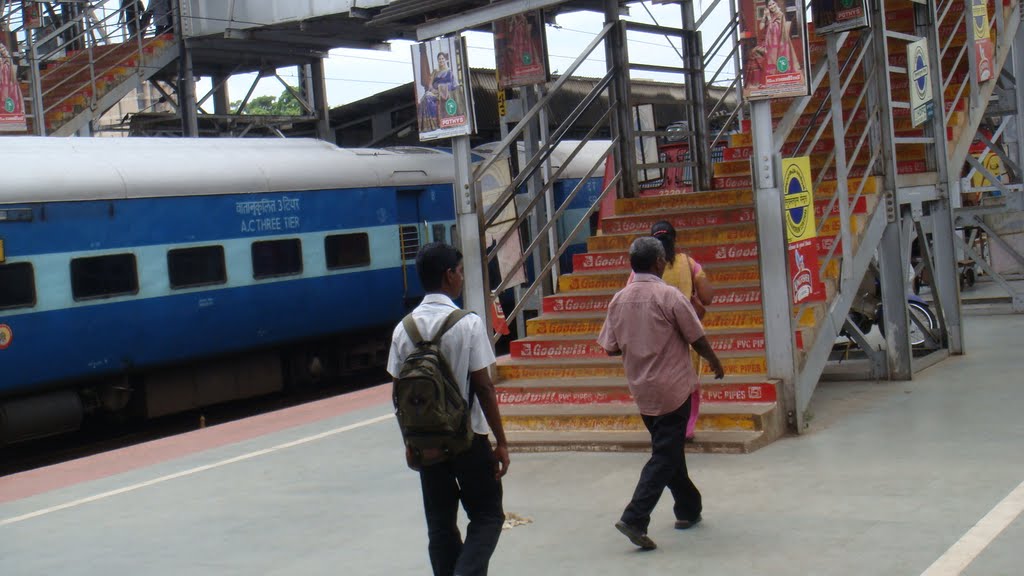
191 267
410 241
439 233
17 286
276 258
347 250
104 276
456 239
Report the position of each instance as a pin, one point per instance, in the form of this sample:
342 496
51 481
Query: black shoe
687 524
636 536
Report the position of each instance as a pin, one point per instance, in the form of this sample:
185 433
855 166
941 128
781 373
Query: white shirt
465 347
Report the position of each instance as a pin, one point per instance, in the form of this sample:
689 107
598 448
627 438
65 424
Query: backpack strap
453 318
412 330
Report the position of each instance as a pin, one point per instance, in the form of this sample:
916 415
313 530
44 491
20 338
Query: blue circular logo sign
920 73
798 202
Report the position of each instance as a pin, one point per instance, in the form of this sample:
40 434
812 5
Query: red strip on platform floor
42 480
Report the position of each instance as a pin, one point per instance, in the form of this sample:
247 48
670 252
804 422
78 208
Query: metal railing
537 167
79 47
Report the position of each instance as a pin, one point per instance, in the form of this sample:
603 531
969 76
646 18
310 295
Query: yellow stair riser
703 236
731 198
721 199
819 161
698 237
747 422
747 366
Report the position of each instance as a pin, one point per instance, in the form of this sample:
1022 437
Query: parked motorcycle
866 311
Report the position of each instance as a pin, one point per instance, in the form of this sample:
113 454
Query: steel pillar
616 58
693 61
468 219
892 275
319 101
946 282
187 103
532 137
221 98
776 296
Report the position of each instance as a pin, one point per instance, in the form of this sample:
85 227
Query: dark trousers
468 478
666 468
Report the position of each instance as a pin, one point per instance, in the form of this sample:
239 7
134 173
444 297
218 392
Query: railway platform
902 478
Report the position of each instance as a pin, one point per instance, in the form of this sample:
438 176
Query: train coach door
410 238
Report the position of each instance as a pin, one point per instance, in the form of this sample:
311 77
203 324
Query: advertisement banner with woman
519 50
773 46
444 98
12 102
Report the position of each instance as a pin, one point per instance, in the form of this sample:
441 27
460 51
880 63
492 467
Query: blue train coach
124 261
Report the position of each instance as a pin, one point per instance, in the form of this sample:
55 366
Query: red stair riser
588 347
733 253
762 392
540 350
569 303
719 393
520 397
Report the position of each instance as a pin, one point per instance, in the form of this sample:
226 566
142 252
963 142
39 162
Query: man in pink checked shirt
652 325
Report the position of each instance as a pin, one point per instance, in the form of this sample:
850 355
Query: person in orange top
687 275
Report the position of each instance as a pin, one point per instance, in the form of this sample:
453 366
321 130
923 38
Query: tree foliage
284 105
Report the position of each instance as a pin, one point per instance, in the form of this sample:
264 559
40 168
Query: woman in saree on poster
439 88
774 51
12 103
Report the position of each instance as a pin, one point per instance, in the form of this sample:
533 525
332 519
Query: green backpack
432 414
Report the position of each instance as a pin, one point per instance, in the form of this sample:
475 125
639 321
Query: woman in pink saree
778 43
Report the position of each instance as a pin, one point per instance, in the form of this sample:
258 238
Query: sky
356 74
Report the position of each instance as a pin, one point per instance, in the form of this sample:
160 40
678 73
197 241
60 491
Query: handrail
92 26
545 152
521 219
514 134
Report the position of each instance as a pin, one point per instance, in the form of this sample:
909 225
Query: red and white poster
803 263
519 50
12 102
984 50
773 47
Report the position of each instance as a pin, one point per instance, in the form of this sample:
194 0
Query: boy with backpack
446 406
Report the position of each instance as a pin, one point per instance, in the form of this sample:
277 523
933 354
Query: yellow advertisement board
799 198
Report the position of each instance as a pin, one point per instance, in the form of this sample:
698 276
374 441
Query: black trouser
469 477
666 468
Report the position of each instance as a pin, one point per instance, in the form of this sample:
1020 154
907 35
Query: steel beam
480 16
